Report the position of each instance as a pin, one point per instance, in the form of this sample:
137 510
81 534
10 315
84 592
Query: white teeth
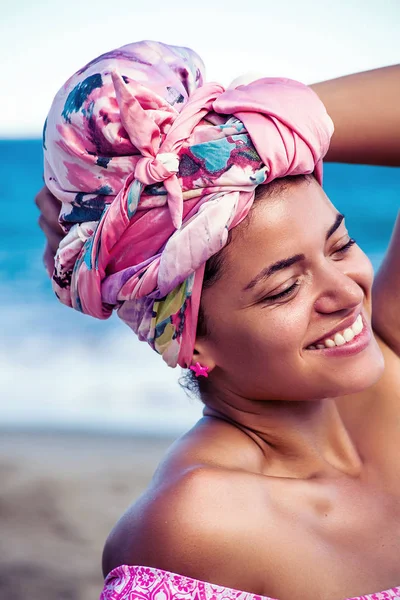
339 339
358 325
329 343
348 334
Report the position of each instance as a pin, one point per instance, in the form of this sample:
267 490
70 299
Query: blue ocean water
60 368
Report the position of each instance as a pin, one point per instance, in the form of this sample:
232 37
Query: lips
340 327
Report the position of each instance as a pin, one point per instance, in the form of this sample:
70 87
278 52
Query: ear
203 354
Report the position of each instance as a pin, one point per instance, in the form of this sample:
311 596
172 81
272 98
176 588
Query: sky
42 43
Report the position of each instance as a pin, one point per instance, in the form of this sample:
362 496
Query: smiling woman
316 283
198 214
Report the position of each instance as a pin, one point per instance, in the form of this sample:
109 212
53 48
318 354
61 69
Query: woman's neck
302 439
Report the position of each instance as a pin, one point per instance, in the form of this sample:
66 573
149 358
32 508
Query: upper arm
364 108
386 294
197 528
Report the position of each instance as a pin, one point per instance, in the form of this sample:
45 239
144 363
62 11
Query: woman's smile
352 340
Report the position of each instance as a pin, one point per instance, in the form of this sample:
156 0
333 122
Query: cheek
269 336
261 355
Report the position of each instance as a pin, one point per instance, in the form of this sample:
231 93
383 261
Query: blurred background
86 411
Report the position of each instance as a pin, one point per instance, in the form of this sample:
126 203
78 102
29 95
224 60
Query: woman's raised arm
386 294
365 109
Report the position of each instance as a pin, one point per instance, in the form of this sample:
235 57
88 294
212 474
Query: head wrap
153 167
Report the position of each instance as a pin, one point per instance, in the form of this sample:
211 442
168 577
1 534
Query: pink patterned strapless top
146 583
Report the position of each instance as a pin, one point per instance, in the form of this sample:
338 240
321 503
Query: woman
287 487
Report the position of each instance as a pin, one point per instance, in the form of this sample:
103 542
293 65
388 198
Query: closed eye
286 292
291 289
347 246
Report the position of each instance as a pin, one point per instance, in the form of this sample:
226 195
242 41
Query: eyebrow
288 262
336 225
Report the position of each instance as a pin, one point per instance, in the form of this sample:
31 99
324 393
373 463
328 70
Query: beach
61 493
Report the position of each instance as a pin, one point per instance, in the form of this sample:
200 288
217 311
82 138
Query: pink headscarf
153 167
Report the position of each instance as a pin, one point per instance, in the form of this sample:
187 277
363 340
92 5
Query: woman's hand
49 208
365 110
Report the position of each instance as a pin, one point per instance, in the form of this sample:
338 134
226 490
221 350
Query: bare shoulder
196 519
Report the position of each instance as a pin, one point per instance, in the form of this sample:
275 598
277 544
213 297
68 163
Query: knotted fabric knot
163 168
169 160
154 170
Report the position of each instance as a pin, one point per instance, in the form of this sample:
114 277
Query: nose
338 292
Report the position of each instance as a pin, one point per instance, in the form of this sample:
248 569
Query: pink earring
199 370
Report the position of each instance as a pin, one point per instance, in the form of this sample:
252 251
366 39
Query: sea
61 370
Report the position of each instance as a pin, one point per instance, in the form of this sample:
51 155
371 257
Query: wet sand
60 495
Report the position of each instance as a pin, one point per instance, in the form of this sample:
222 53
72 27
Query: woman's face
259 341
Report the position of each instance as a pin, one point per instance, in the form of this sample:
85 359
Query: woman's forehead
279 224
293 202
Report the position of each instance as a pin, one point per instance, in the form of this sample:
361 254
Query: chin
360 373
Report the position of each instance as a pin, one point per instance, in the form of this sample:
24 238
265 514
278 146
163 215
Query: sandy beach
60 495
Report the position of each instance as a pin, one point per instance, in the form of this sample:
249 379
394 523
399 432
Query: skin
288 487
364 109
